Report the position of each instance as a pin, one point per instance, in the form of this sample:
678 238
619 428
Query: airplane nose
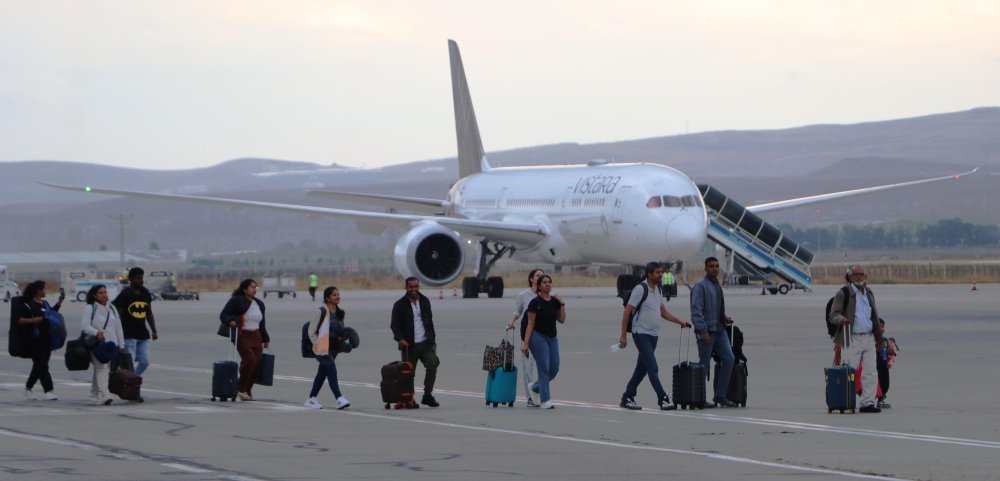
685 235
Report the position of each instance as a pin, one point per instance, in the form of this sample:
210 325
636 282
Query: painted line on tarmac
708 455
825 428
184 467
46 439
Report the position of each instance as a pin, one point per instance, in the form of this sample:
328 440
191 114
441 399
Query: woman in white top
245 312
326 331
100 319
520 312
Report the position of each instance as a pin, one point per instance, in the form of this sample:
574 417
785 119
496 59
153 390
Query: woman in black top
245 312
30 314
543 313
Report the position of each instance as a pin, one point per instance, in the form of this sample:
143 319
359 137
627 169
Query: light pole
121 237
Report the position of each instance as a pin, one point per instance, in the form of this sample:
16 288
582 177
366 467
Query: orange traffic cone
440 294
974 284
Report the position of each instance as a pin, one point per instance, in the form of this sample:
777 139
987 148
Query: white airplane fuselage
596 213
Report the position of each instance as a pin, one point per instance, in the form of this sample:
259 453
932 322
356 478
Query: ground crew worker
668 286
313 283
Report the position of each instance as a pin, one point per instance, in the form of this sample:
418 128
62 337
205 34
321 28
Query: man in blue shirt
858 314
708 314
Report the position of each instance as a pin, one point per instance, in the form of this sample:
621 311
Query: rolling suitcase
397 384
689 380
225 375
265 376
840 395
501 382
123 381
737 392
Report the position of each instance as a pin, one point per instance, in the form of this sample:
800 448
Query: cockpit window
689 201
653 202
671 201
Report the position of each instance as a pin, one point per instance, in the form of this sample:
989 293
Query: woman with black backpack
326 331
29 311
100 320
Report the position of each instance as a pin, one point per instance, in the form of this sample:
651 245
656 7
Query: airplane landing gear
493 285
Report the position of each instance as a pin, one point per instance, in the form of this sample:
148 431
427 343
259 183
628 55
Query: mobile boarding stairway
754 247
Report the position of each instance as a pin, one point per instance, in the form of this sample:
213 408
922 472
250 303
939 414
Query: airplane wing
817 199
518 233
393 202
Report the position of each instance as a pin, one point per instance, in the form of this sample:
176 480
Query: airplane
600 213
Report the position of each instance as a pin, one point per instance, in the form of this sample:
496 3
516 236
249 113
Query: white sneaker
312 403
342 402
51 396
548 405
28 394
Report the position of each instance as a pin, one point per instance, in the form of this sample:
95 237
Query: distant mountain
751 166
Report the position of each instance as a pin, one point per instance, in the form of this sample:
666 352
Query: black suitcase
77 357
224 377
737 382
397 385
265 376
689 381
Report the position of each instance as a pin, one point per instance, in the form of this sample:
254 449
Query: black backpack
628 295
307 345
831 329
19 336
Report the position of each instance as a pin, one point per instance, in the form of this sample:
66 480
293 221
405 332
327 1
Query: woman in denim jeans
325 331
544 311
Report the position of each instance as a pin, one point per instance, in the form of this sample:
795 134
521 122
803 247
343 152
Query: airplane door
619 207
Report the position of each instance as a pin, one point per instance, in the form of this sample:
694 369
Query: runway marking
47 439
184 467
712 417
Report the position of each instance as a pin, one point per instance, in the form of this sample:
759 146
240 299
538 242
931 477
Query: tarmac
943 423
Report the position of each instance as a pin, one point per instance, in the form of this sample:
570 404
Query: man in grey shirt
708 313
645 309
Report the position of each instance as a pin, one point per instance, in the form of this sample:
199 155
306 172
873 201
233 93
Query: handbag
494 357
90 341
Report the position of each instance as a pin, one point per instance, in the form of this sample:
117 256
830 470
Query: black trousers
40 354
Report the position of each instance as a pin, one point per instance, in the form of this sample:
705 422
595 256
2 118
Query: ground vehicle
281 284
163 285
77 283
8 288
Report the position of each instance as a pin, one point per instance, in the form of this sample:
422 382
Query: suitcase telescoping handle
687 356
511 341
236 340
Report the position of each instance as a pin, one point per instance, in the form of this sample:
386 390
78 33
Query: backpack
57 327
635 313
831 329
307 345
18 337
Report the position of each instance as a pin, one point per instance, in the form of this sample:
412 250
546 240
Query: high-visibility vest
668 278
313 280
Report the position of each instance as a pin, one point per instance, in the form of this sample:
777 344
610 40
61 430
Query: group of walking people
127 324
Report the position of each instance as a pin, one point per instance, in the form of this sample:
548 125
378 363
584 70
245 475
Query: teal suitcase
501 386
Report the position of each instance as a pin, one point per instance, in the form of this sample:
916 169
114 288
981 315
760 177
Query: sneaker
532 403
95 399
548 405
870 409
630 404
107 402
342 402
882 404
28 394
244 396
51 396
666 405
429 401
312 403
726 403
710 405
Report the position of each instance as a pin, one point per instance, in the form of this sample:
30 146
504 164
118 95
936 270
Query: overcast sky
179 84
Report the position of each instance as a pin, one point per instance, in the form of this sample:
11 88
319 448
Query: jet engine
431 253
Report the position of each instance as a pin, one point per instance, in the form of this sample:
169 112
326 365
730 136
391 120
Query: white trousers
528 374
100 378
862 348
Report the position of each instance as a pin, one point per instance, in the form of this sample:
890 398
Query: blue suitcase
225 375
501 386
840 395
501 382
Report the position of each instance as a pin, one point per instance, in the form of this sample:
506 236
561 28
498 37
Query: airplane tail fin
471 158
